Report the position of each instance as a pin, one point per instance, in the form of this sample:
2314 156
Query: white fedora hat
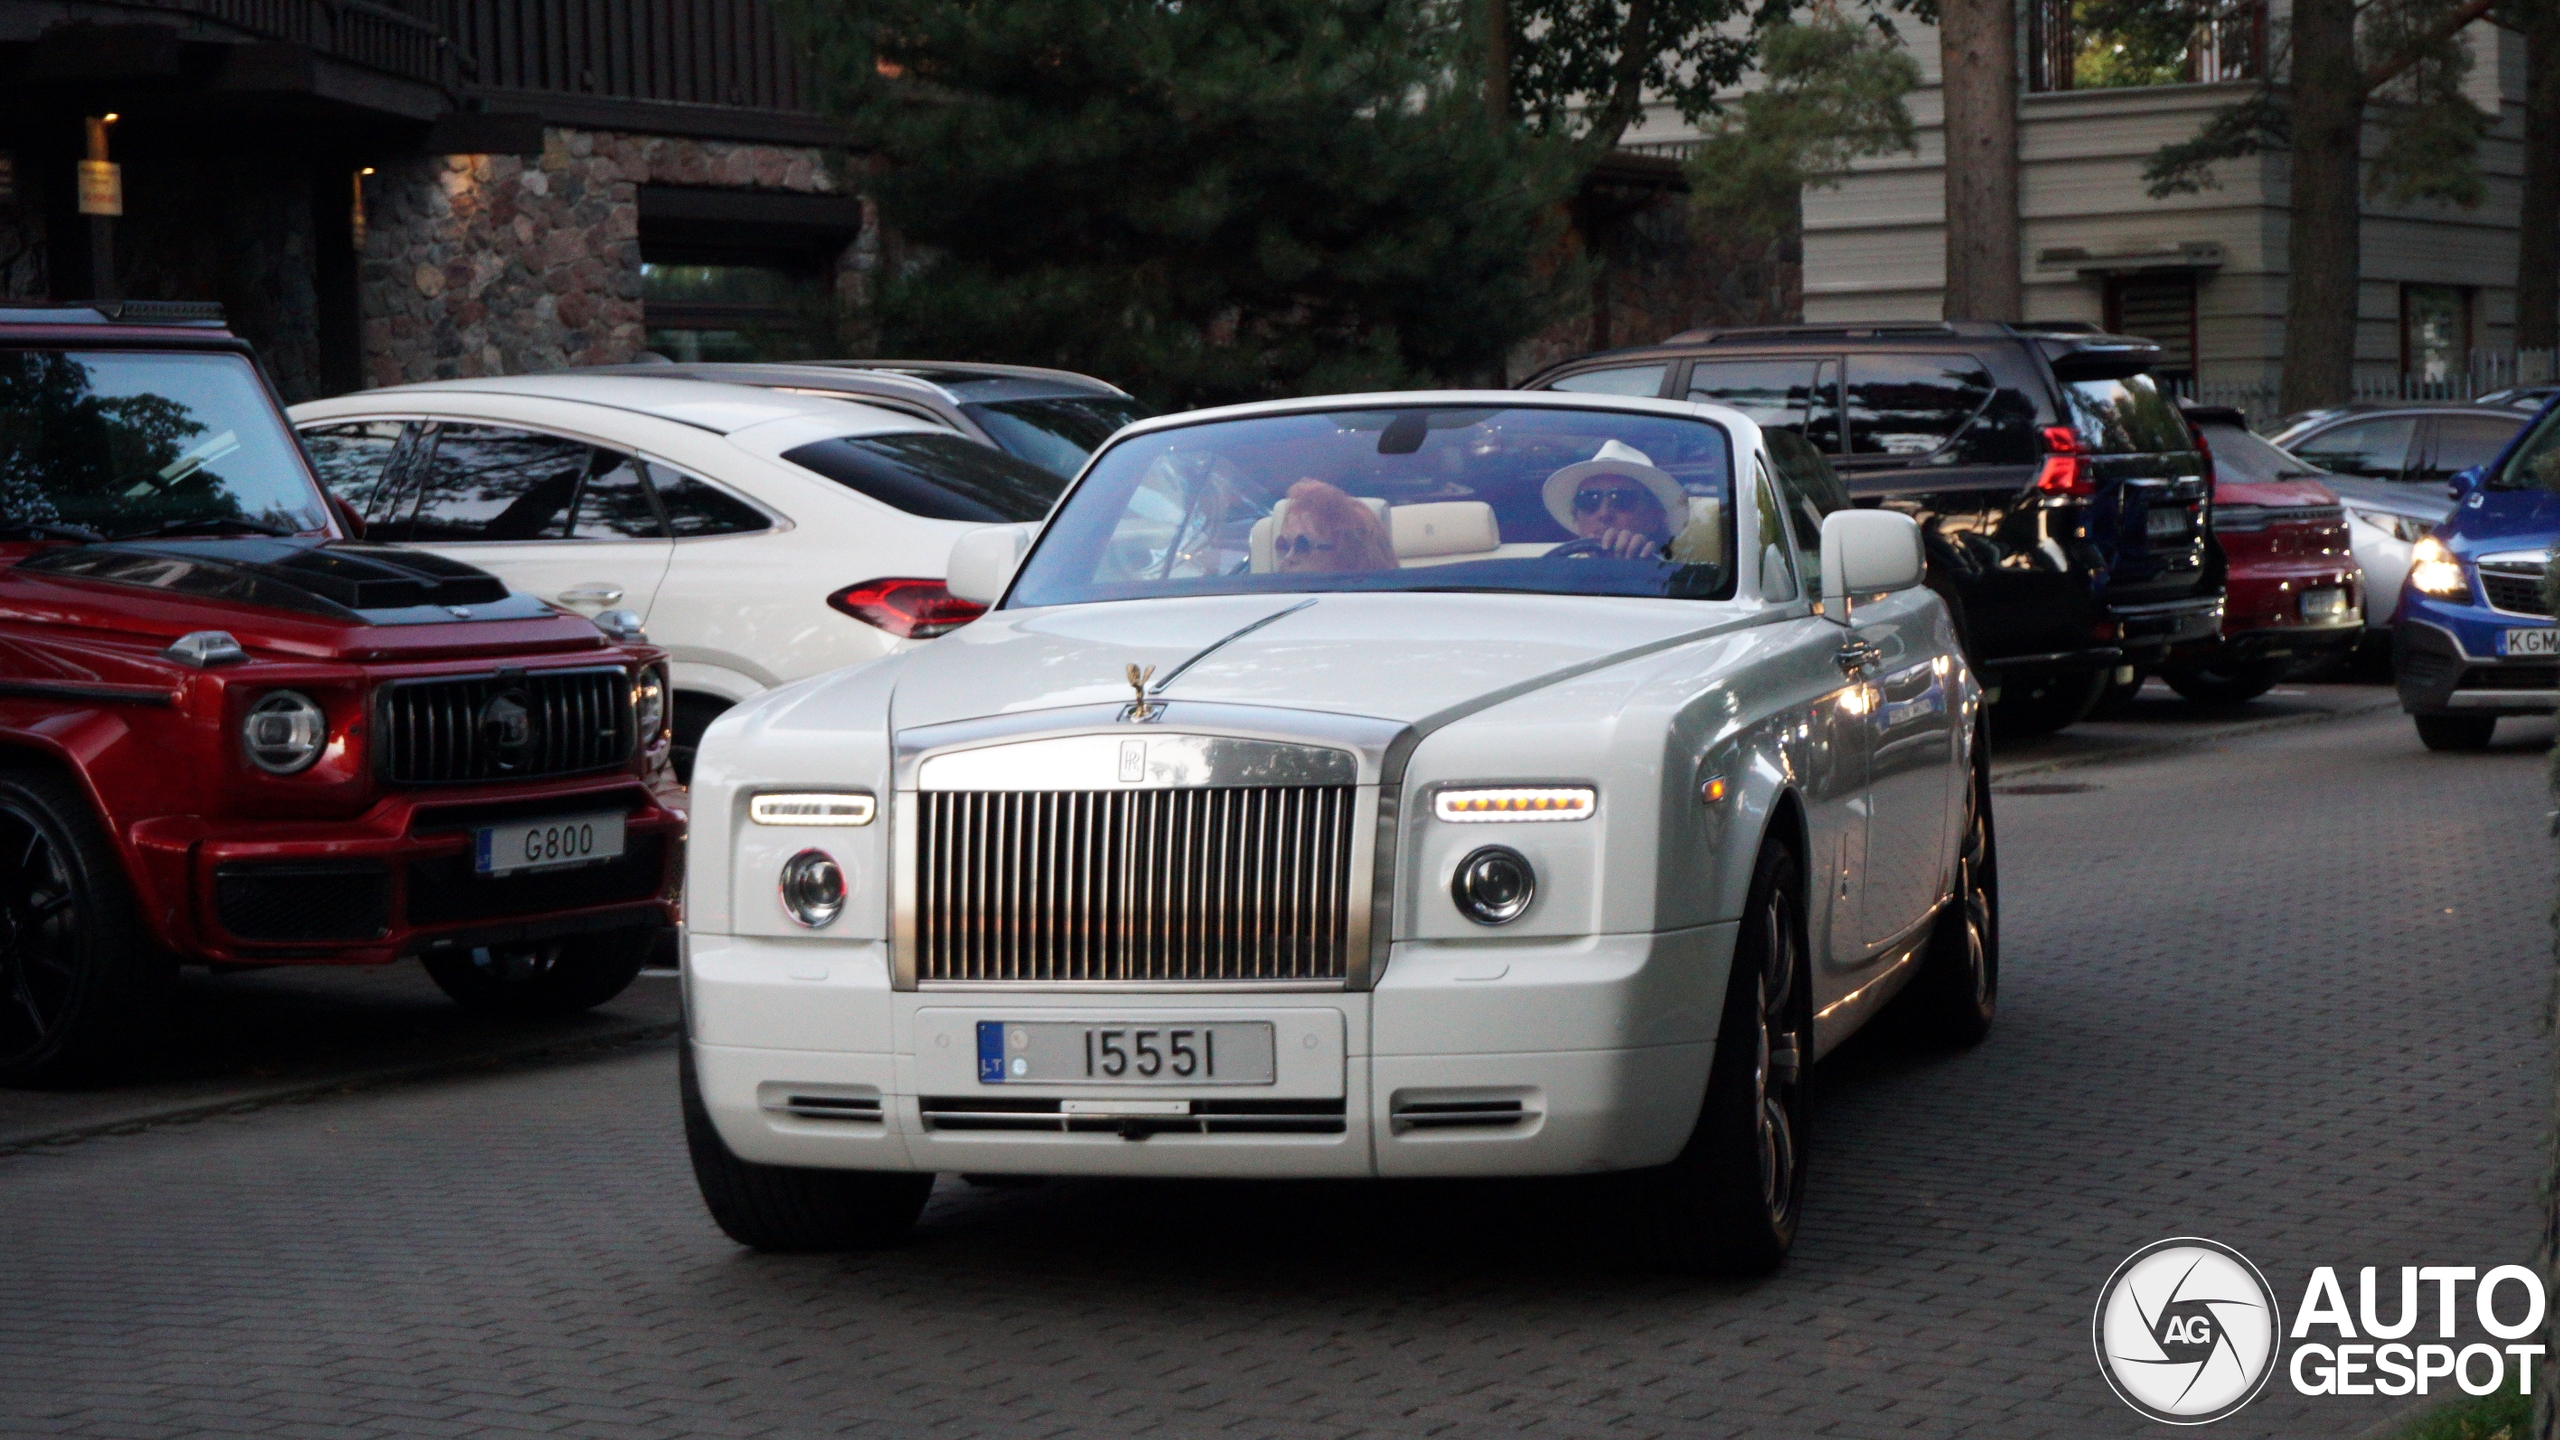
1620 460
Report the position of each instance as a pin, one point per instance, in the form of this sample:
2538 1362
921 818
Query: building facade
424 189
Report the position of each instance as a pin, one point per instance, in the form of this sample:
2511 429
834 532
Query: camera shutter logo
2187 1331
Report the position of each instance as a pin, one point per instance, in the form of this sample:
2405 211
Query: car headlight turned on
812 889
1494 885
284 732
1543 802
649 704
2434 571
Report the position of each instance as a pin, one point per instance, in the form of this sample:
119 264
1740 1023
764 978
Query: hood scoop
366 584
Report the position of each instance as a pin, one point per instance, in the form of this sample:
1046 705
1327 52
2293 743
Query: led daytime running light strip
1555 802
818 809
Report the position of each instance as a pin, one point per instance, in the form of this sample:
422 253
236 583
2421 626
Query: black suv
2062 496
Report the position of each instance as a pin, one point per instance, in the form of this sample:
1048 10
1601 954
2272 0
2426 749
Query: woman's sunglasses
1297 546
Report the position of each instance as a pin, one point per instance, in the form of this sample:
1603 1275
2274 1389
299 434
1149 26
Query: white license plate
1053 1052
2161 522
2531 640
546 844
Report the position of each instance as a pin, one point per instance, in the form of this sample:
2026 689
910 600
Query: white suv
761 536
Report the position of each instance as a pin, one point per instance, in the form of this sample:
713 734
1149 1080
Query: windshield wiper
211 525
50 530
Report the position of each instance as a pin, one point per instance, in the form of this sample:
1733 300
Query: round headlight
1494 885
284 732
649 705
812 888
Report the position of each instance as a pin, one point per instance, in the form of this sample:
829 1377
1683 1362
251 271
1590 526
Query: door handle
1856 657
591 595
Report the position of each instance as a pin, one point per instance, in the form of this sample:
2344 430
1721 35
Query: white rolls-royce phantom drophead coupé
1437 784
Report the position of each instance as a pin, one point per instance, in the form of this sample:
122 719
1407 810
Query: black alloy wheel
545 981
80 981
2226 682
1958 988
1730 1203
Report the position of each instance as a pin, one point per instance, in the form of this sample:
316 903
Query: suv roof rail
127 312
1860 330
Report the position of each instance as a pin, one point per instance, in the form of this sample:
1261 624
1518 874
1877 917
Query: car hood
1395 657
2419 502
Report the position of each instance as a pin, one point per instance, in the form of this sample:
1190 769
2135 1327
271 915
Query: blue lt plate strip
990 1052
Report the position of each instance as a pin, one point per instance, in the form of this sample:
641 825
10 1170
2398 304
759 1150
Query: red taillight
2066 465
2206 451
908 609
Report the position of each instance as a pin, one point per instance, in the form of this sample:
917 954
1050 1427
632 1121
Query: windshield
1580 502
935 474
2536 461
1055 435
123 442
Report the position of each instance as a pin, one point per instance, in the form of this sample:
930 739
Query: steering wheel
1582 549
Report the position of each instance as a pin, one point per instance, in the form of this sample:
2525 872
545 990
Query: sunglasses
1621 497
1297 546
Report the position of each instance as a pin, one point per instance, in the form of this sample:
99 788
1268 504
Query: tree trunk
1978 52
2538 220
1494 17
2324 251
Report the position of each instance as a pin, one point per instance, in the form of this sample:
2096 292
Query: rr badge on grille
506 725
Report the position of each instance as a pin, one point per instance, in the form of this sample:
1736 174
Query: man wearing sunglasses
1620 501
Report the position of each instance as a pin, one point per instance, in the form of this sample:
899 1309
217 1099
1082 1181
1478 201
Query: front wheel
777 1207
1728 1205
81 983
544 981
2225 683
1957 991
2456 732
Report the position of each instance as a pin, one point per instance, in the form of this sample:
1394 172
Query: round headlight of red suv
649 705
284 732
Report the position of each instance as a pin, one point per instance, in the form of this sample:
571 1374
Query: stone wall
1667 267
498 264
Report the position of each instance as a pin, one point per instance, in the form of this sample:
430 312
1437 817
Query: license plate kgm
2530 640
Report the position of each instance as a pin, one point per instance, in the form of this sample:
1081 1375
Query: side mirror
2465 481
982 562
1866 551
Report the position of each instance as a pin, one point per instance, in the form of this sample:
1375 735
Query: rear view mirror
2464 481
1868 551
982 562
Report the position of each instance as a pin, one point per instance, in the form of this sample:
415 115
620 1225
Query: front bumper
398 880
2438 673
1568 1057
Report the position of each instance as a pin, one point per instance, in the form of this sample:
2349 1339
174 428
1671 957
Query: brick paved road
2280 993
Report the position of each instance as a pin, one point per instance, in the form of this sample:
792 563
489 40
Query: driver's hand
1628 544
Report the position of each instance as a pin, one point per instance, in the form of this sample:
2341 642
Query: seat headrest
1443 527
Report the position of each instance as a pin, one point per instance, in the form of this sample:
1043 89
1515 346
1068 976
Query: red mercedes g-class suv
232 735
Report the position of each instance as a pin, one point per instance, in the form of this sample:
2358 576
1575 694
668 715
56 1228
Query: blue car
2475 637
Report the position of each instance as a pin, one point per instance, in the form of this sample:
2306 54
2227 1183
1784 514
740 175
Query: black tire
776 1207
2225 684
544 981
2115 697
82 983
1957 992
2456 732
1730 1203
694 714
2043 704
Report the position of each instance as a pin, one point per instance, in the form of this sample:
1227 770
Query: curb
584 1047
2149 748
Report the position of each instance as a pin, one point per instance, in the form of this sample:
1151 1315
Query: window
1808 489
696 313
486 483
2435 333
614 503
2125 416
1054 434
2162 310
1913 404
694 508
2462 442
2109 44
1777 571
1797 395
351 459
937 475
1627 380
2378 447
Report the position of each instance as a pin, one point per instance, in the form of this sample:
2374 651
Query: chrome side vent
1459 1110
1143 1119
859 1104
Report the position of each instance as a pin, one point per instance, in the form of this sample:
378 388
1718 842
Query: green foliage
2134 42
1199 202
1571 54
1832 93
2505 1415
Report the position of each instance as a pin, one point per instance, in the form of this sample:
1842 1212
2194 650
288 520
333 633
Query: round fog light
1494 885
812 888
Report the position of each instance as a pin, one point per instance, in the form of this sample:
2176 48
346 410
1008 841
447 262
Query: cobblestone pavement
2279 991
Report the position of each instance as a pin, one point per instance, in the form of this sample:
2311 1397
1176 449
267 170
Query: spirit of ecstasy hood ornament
1141 711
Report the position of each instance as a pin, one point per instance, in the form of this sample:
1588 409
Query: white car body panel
1596 1011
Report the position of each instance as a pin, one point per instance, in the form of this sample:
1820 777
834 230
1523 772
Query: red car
2293 592
231 736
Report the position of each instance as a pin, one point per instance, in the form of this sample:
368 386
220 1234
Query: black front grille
445 889
303 903
510 725
2515 594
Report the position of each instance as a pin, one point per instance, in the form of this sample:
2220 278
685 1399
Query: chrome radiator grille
1208 884
444 730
